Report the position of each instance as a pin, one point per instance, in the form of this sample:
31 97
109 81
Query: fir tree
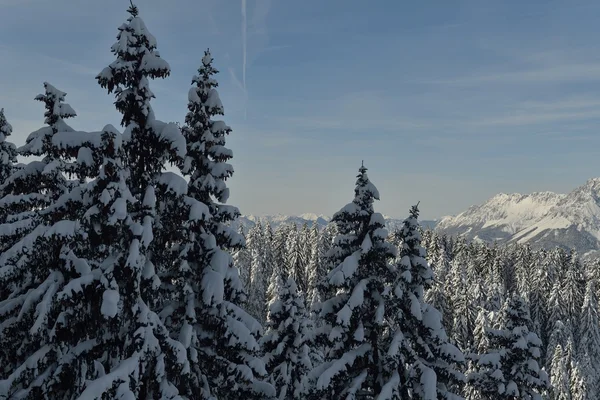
8 151
510 368
242 259
288 343
40 223
296 258
318 267
589 342
148 144
221 339
559 378
355 332
259 273
434 372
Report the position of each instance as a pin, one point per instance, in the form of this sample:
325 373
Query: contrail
244 54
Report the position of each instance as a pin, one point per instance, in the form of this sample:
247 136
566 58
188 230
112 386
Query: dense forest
120 279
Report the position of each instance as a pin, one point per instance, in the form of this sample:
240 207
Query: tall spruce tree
220 337
40 222
510 368
318 267
559 377
8 151
355 330
288 343
434 371
242 259
589 340
148 145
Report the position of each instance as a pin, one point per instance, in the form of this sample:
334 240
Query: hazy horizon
447 105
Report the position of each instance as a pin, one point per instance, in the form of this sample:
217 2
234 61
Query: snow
110 301
547 223
428 383
65 140
174 183
170 133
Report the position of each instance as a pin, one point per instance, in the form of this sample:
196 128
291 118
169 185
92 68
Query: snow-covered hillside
544 219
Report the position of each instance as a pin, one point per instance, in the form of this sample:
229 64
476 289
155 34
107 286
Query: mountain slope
544 219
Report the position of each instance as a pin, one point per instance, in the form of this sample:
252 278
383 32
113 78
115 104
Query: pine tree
572 291
510 368
318 267
561 336
280 241
559 377
242 259
435 361
259 274
41 222
313 261
8 151
8 165
356 332
221 339
589 342
38 184
148 144
288 343
296 258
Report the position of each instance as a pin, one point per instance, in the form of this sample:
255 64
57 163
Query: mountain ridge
543 219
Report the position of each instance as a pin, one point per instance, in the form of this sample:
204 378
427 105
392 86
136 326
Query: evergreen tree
259 274
589 342
561 336
40 224
8 151
559 378
288 343
221 339
572 292
296 258
434 372
355 331
318 265
313 261
38 184
242 259
280 242
148 144
510 368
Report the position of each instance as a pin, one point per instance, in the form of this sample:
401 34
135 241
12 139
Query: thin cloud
553 74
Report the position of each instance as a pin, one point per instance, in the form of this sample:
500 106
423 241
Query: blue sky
448 103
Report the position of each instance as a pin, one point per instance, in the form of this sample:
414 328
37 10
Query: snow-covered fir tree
242 259
41 216
318 267
148 145
510 368
434 362
559 378
288 344
588 352
221 339
8 151
36 185
355 331
296 258
257 244
8 165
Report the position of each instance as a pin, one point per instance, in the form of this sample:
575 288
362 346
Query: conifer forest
120 279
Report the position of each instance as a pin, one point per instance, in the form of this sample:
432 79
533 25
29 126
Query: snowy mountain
544 219
248 221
